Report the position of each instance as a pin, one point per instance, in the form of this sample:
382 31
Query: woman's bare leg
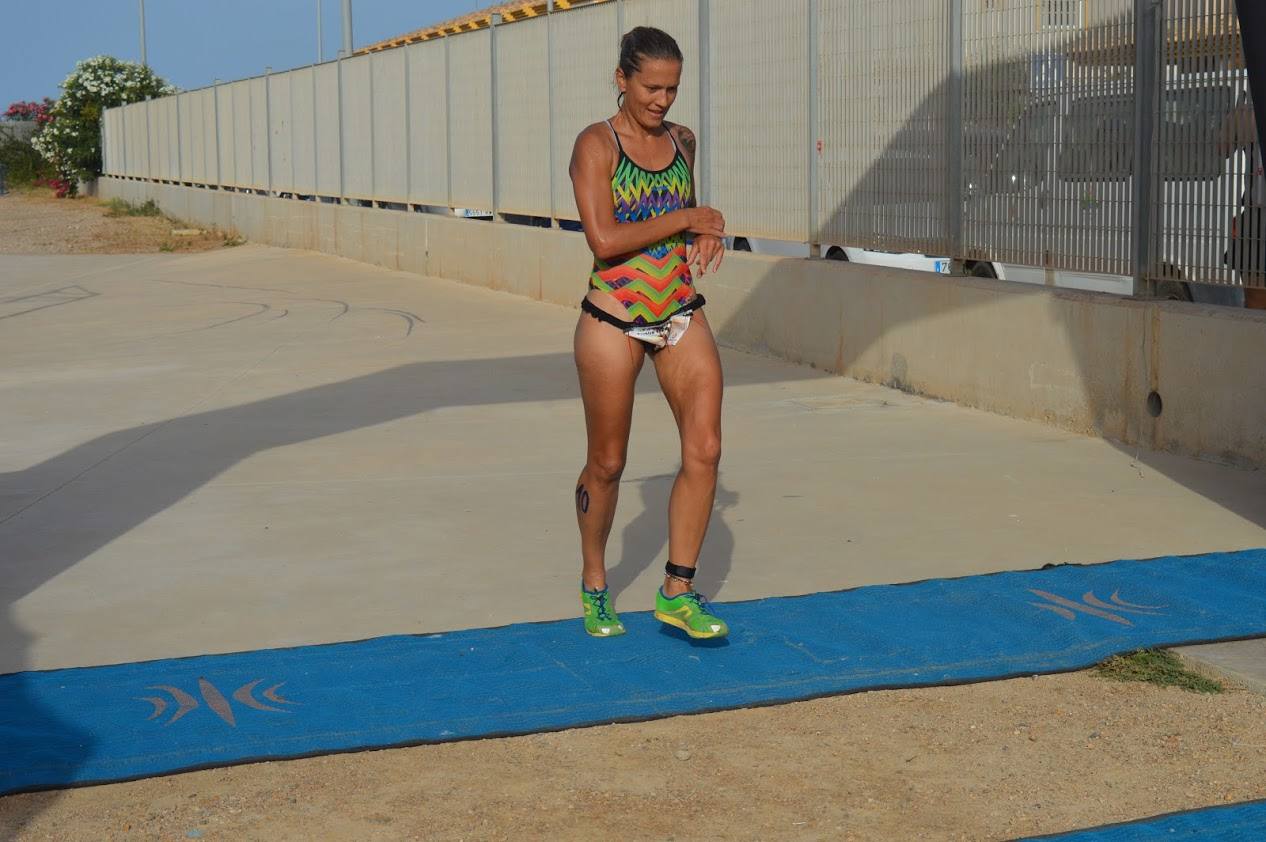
608 363
690 377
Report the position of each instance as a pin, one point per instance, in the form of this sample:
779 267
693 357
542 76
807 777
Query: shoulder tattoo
687 139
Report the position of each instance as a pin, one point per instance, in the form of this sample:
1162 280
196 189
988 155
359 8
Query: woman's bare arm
706 251
592 162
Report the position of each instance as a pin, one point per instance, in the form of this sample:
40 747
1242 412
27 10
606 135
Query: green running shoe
600 618
691 613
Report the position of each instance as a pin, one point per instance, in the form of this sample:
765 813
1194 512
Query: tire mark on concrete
60 296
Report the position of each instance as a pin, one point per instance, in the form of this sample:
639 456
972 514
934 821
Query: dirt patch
988 761
35 222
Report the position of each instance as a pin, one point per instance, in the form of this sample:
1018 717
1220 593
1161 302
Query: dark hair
646 42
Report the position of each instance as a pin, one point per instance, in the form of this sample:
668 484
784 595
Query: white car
899 260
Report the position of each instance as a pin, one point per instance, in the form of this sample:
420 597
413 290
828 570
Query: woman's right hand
705 220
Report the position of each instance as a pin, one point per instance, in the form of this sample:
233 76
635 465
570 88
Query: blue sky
190 42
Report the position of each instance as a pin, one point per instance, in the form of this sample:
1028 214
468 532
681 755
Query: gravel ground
34 222
987 761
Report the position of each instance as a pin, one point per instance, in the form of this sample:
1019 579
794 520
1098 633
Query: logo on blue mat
214 699
1095 607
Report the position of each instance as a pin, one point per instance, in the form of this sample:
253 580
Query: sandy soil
35 222
989 761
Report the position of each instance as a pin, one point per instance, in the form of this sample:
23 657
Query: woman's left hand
706 252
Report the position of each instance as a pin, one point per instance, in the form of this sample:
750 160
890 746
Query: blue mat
1233 823
95 724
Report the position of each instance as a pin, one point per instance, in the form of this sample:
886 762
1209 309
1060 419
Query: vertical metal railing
494 20
549 107
954 132
1147 105
1060 135
813 143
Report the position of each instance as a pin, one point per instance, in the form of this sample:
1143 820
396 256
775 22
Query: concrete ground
256 447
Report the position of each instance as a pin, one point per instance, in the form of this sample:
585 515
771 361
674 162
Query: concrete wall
17 129
1080 361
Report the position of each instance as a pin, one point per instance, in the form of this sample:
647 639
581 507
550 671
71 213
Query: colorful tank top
653 283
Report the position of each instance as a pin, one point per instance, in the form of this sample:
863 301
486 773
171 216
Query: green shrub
119 207
71 139
24 165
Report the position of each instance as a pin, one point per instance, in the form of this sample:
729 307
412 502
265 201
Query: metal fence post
206 145
342 140
180 166
149 158
120 134
101 142
316 137
813 58
268 125
250 129
953 223
408 130
373 151
448 123
1148 31
703 176
549 100
267 120
493 21
294 177
219 141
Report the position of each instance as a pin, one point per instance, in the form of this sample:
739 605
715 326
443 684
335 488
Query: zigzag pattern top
653 283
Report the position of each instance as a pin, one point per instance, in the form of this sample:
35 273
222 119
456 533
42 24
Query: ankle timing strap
681 574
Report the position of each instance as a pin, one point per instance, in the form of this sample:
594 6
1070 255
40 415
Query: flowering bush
17 155
70 139
61 187
37 111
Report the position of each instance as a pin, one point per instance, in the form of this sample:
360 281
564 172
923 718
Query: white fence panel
280 129
585 55
760 118
358 147
428 128
184 136
523 153
470 132
259 133
210 136
244 159
225 164
328 142
138 141
883 124
201 136
173 138
155 143
111 143
390 127
303 130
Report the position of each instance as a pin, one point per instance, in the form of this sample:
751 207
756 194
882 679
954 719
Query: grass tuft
120 207
1156 666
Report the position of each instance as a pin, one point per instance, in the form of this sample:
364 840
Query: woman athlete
633 176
